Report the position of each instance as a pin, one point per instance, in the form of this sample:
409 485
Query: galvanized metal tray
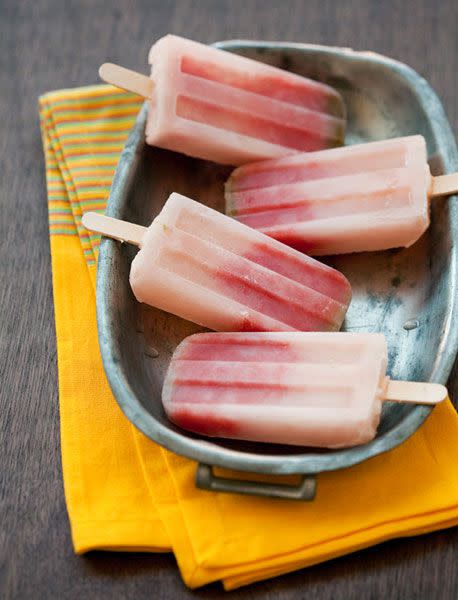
408 294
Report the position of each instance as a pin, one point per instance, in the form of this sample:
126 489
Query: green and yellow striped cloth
124 492
86 152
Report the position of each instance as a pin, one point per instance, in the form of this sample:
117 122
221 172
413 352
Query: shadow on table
351 576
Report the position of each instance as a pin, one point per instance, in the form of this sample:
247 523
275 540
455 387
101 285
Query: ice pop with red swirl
310 389
226 108
203 266
358 198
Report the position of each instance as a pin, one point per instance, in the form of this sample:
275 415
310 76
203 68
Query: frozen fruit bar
219 106
310 389
227 108
365 197
203 266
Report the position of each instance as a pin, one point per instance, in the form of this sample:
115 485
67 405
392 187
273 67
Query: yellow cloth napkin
124 492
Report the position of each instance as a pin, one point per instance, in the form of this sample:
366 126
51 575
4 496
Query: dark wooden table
60 43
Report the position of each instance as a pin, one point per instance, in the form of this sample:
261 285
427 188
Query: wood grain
52 44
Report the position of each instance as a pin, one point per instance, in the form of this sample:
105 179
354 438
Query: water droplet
411 324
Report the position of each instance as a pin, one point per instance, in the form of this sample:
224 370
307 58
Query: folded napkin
123 491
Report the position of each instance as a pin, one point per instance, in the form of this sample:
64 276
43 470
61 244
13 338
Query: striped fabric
84 131
123 491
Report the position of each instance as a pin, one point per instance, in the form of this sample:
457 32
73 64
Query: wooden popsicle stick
444 185
417 393
127 80
114 228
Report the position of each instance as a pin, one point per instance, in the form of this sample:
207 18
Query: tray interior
405 293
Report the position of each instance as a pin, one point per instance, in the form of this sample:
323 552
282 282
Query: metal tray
409 294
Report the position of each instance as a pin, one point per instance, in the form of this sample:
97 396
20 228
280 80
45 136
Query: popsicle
310 389
199 264
227 108
358 198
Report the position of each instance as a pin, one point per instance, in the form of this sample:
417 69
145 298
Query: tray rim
204 450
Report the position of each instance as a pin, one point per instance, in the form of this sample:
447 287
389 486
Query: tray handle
207 480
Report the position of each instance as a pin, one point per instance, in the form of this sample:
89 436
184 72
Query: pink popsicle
205 267
365 197
226 108
309 389
313 389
